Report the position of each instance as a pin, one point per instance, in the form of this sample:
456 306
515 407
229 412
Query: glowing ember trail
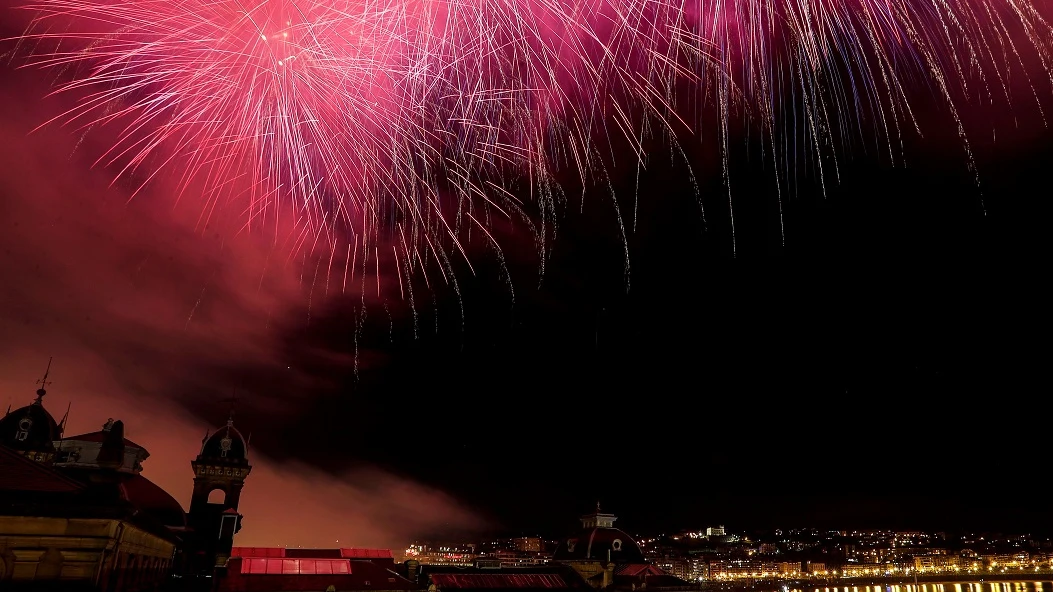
414 121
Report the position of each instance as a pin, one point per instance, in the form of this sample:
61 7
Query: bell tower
220 470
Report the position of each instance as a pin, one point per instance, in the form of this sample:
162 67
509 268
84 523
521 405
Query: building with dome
31 430
76 513
608 558
598 548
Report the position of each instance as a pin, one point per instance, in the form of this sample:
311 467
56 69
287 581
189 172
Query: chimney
412 570
608 575
111 454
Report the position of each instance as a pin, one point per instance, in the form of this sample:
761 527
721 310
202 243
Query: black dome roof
600 544
30 428
227 445
599 541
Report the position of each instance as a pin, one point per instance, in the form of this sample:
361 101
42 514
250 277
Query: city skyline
719 553
723 533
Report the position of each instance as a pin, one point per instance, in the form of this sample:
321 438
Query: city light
718 555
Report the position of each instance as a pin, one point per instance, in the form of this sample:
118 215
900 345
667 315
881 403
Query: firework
409 123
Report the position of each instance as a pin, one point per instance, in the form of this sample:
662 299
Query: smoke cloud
145 309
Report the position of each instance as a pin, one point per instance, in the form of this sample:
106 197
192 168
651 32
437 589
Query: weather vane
44 382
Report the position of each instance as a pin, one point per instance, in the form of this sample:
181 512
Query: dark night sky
884 367
881 369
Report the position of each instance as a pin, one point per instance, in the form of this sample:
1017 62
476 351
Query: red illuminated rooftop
278 566
276 569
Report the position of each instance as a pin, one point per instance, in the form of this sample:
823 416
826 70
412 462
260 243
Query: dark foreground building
77 514
548 578
609 559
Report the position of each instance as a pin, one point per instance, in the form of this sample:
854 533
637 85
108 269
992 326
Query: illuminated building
751 569
936 562
252 569
678 567
699 569
717 570
515 559
715 531
425 555
1006 560
528 544
866 569
878 555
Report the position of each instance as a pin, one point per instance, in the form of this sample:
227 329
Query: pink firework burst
359 119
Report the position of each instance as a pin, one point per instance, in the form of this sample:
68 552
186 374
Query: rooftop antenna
43 382
62 424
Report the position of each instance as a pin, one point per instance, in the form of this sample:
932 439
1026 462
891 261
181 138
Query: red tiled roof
99 437
149 497
18 473
278 566
453 580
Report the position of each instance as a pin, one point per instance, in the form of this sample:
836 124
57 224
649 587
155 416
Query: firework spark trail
354 118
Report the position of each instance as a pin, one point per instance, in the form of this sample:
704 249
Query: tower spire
43 382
